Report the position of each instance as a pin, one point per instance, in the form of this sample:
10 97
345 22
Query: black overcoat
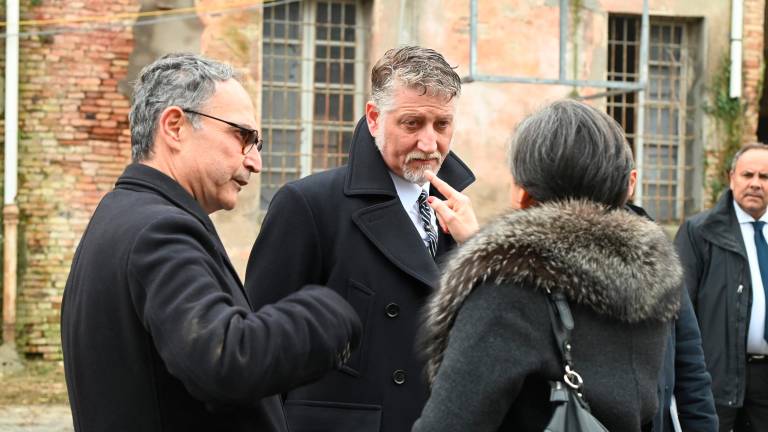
684 372
157 333
346 228
718 279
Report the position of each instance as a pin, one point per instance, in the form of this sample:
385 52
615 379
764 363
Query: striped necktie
426 219
762 261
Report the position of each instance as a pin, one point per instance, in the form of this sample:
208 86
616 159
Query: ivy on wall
729 116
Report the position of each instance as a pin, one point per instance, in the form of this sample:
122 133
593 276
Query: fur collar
619 264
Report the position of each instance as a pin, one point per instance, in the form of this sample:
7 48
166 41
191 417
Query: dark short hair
746 148
570 150
414 67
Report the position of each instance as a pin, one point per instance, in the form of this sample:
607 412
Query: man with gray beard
368 231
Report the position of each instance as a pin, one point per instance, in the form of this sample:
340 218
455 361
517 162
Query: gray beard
415 176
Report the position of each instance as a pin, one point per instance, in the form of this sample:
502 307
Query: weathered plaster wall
520 38
75 88
153 38
236 39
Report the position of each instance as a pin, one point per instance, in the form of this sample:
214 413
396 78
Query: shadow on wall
155 36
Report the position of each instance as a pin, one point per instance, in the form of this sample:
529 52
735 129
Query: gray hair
746 148
570 150
181 79
414 67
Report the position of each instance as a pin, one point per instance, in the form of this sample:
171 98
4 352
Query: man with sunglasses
157 333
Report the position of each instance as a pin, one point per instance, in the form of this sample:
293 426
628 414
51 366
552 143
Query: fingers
456 216
441 211
440 185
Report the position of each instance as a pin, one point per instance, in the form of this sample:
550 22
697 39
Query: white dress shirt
755 342
409 197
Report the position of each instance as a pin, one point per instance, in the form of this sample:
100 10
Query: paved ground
35 418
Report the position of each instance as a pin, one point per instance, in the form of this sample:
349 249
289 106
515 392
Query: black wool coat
489 336
346 228
157 333
719 282
684 372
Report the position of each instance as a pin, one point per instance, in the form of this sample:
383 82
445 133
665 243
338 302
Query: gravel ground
35 418
33 396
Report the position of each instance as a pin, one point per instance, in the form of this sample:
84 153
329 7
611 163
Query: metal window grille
669 109
312 88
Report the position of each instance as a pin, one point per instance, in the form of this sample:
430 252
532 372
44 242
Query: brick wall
73 144
754 15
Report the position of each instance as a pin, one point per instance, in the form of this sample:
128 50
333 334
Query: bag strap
562 325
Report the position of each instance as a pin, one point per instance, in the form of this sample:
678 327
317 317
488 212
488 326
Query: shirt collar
407 191
744 217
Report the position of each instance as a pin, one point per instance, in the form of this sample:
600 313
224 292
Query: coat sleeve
690 257
693 393
220 351
286 254
471 392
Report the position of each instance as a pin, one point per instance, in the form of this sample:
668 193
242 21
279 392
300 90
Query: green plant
728 114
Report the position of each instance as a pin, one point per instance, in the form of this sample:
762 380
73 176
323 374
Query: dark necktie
762 259
426 219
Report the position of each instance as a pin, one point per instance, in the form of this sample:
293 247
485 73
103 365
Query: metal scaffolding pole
474 76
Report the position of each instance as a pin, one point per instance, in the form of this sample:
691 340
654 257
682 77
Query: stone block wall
73 144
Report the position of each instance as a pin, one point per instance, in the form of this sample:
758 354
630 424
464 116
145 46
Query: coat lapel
390 229
147 177
721 223
385 222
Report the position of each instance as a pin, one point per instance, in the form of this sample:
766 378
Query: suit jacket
346 228
158 335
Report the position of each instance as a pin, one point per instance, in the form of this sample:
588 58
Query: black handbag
571 412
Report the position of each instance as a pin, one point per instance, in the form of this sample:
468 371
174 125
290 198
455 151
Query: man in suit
725 258
367 231
157 331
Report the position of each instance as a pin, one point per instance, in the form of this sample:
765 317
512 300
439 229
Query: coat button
398 377
392 310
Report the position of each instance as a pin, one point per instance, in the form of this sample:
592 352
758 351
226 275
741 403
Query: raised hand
455 213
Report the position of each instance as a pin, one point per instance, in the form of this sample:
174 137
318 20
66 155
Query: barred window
667 158
312 88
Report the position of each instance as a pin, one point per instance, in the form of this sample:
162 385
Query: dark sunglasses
250 137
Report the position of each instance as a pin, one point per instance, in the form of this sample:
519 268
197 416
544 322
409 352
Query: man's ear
372 116
169 129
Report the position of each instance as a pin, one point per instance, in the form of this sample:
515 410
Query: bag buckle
572 378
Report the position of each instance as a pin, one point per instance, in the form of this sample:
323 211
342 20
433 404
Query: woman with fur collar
490 346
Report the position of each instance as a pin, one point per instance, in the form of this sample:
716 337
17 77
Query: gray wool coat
489 341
